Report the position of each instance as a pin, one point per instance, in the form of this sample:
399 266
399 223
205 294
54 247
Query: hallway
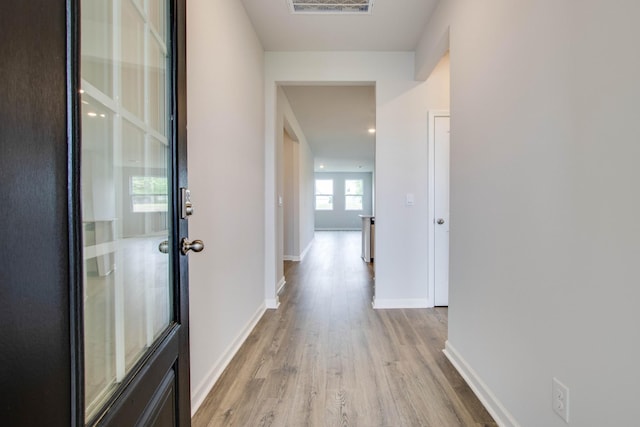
326 358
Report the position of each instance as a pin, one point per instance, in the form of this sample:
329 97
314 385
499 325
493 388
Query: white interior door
441 210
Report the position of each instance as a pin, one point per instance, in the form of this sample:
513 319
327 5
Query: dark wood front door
93 281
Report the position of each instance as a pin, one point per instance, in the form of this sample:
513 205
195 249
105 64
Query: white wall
544 204
225 64
291 193
282 117
305 198
402 106
298 207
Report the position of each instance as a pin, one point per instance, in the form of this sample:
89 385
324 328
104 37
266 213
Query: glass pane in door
125 183
97 44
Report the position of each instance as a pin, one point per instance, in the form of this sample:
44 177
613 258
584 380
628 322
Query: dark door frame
41 323
35 328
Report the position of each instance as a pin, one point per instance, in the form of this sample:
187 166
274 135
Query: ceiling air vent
331 6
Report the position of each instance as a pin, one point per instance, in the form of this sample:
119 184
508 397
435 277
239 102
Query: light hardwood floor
326 358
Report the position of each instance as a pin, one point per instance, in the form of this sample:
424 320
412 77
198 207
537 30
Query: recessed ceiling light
331 6
91 114
372 130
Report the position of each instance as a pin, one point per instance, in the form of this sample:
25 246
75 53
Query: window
149 193
353 193
324 194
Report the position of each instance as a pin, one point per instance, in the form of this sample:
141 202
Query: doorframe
432 115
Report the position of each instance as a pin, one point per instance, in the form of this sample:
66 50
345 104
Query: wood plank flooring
326 358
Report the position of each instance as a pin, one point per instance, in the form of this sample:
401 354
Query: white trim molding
272 303
384 304
306 250
338 229
432 197
499 413
202 390
280 285
297 258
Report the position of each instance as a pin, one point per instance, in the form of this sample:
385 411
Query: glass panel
97 38
132 62
157 86
353 203
324 186
157 16
353 187
98 214
324 203
353 190
125 197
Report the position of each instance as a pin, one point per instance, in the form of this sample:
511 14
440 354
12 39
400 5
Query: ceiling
335 120
393 25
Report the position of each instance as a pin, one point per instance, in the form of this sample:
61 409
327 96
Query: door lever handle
195 246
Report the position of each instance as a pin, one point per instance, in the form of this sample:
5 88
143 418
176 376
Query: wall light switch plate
410 200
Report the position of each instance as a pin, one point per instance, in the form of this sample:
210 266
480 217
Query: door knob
440 221
195 246
164 247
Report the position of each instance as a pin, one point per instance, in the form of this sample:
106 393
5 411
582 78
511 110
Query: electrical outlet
560 399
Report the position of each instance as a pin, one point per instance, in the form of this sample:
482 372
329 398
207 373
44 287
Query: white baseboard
338 229
272 303
201 392
296 257
381 304
280 286
306 250
499 413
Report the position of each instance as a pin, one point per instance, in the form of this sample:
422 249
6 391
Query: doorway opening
325 163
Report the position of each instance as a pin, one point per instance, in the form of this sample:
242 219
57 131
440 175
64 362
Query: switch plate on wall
560 399
410 200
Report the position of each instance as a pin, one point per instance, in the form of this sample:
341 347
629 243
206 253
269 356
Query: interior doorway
333 127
